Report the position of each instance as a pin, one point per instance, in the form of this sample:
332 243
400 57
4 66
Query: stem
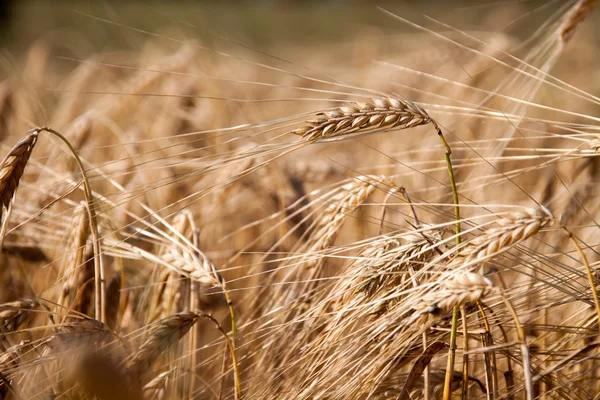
236 372
490 370
524 349
384 208
99 283
194 304
452 185
465 387
451 352
426 383
231 314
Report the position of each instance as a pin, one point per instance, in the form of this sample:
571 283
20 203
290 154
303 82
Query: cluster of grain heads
506 233
11 171
378 115
341 313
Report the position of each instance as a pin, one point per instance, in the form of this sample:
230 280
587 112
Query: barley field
289 200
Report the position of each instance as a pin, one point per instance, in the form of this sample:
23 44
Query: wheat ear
85 332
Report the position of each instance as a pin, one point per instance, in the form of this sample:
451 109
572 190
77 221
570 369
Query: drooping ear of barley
11 171
162 336
380 114
457 290
391 262
85 333
180 256
511 230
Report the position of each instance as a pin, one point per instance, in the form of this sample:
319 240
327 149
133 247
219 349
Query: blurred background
258 23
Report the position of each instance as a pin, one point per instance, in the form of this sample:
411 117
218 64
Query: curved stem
236 372
99 290
231 313
452 185
451 352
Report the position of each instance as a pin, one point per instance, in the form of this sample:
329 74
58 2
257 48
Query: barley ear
11 171
576 15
